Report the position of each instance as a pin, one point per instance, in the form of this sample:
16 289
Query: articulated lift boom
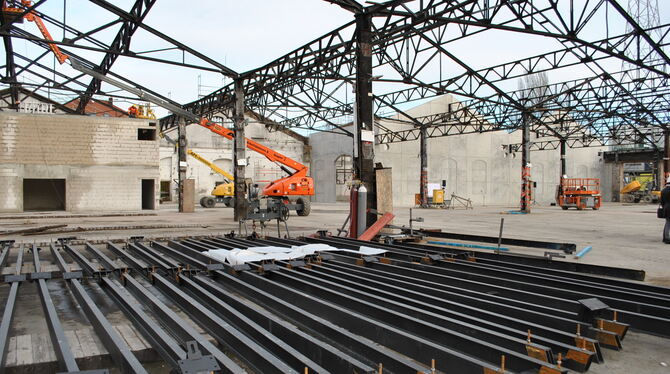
224 192
297 183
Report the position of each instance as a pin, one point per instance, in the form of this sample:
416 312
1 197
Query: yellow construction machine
640 189
141 111
224 192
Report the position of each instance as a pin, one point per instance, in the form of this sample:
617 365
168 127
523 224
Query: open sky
247 34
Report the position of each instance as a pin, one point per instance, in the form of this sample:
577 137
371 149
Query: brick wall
101 159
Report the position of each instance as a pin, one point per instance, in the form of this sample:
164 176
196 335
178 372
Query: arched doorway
343 175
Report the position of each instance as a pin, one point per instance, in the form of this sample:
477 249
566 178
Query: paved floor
621 235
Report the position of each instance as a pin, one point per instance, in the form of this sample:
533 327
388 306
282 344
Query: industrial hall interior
335 186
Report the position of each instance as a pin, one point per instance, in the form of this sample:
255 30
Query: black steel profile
565 247
431 308
317 350
166 346
66 360
279 347
515 258
396 338
489 345
356 345
153 257
178 325
107 262
123 356
135 263
254 355
10 305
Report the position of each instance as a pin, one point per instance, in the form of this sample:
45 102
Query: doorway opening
148 191
43 194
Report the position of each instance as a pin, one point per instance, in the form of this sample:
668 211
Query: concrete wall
219 150
474 166
326 148
100 158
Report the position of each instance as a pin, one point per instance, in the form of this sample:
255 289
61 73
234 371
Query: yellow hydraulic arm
211 165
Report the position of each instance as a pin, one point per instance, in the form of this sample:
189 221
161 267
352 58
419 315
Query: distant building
100 108
31 102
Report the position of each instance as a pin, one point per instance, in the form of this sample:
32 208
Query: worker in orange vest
132 112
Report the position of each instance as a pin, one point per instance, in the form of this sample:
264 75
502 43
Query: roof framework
618 94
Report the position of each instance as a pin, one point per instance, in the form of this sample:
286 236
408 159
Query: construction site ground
625 235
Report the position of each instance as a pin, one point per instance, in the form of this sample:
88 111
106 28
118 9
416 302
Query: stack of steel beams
411 309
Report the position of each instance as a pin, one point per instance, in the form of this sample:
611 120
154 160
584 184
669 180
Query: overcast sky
247 34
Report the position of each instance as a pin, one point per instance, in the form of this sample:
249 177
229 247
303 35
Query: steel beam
178 325
8 312
66 360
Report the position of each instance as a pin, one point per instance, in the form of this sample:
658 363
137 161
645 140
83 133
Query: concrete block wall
474 165
101 159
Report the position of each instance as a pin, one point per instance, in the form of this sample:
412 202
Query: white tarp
241 256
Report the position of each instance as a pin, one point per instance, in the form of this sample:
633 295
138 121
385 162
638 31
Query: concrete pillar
364 112
423 155
525 165
239 154
182 163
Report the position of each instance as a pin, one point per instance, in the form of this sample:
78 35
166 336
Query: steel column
423 178
526 190
364 112
182 161
239 154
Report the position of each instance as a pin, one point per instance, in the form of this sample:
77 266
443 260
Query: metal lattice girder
310 87
120 43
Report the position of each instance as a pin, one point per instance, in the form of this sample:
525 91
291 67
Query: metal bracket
195 362
14 278
73 275
241 267
370 259
211 267
269 267
40 275
551 255
296 263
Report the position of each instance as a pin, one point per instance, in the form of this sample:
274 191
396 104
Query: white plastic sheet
242 256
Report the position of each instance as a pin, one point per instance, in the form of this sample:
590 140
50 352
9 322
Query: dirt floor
621 235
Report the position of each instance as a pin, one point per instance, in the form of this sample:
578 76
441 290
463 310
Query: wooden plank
42 349
88 345
24 350
11 352
131 338
31 230
384 191
75 345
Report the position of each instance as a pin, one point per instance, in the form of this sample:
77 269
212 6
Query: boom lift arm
297 183
211 165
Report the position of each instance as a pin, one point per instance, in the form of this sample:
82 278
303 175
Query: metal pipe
361 210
